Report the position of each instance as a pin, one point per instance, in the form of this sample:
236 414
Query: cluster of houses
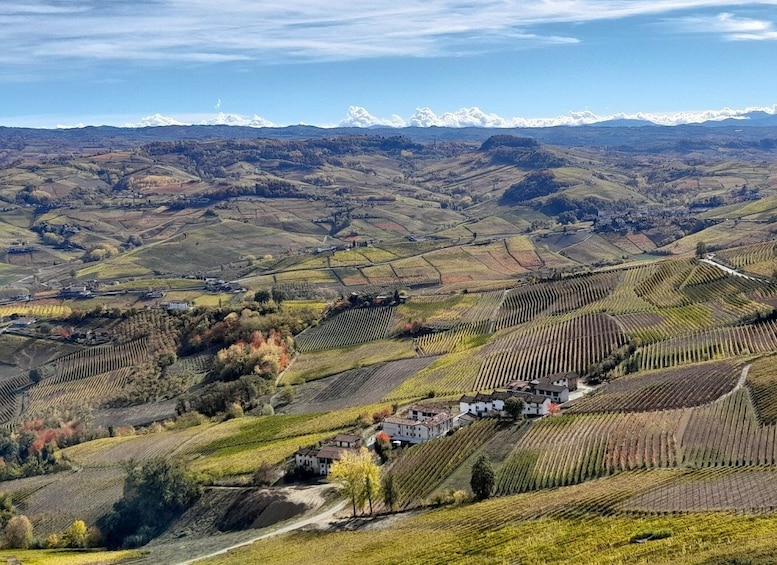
423 423
218 285
538 396
318 460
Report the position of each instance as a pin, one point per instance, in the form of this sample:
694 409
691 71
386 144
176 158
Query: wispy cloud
731 27
202 31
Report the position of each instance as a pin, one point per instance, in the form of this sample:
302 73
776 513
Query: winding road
301 523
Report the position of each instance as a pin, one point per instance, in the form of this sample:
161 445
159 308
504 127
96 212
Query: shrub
18 532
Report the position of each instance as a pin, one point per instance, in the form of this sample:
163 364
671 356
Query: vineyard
10 398
422 467
727 432
762 382
351 327
717 343
581 524
36 310
92 390
663 390
451 374
570 449
95 361
528 302
707 490
53 502
358 386
537 350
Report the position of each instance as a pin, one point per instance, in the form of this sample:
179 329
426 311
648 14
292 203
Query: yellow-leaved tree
358 477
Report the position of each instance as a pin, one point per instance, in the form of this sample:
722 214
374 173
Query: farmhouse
318 460
421 424
482 404
557 393
568 380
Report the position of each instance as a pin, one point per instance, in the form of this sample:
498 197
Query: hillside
220 304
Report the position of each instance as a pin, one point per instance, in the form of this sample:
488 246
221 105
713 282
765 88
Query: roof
401 421
425 408
557 376
350 438
307 451
550 388
332 452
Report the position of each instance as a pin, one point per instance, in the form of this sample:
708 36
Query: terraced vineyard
351 327
537 350
525 303
663 390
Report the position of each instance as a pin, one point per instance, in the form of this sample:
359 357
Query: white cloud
197 31
359 117
156 120
223 119
730 26
475 117
220 119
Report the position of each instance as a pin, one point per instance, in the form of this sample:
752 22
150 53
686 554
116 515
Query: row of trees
361 480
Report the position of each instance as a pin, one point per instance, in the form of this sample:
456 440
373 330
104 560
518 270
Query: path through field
729 270
320 518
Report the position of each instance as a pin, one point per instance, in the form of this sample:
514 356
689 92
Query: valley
220 304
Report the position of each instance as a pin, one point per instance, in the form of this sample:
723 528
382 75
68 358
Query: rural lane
329 513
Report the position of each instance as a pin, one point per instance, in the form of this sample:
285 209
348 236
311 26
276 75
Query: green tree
7 509
262 296
18 532
358 477
482 480
389 490
155 492
701 249
514 407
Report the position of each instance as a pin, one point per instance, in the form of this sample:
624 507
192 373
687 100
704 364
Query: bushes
18 532
155 493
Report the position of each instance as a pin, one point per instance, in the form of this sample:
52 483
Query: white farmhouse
494 403
422 424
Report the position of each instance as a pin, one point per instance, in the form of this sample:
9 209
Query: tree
18 532
514 407
701 249
7 509
382 446
358 477
389 490
155 492
482 480
262 296
77 534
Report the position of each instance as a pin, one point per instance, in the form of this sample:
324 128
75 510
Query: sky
497 63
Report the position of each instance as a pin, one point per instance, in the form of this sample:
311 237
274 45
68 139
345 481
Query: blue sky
423 62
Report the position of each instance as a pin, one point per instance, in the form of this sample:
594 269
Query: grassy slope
579 524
